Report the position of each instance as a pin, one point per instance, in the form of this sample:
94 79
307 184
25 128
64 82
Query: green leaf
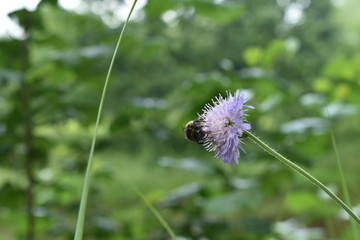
340 68
302 201
231 203
154 8
219 13
253 55
273 51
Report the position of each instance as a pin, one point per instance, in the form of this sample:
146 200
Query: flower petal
223 123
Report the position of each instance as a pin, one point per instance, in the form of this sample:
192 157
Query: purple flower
223 125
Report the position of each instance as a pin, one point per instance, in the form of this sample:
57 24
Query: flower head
223 124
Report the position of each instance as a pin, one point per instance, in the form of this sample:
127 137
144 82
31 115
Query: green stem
81 216
304 173
156 213
343 183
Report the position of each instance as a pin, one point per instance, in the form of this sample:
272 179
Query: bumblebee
193 131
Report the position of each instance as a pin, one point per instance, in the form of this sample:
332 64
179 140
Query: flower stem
303 173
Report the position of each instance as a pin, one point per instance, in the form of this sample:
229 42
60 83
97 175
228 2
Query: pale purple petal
223 123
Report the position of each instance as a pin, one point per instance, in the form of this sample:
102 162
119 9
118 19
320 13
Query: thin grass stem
156 213
303 173
343 184
82 209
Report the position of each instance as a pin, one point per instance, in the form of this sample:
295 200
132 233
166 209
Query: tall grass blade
81 215
156 213
344 187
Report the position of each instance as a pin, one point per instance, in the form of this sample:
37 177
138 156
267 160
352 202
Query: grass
344 187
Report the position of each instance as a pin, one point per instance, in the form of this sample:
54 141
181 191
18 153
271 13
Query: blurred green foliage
298 60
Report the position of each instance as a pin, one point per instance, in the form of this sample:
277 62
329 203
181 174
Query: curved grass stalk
156 213
81 215
303 173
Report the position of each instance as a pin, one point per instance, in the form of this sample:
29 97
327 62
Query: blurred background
299 60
